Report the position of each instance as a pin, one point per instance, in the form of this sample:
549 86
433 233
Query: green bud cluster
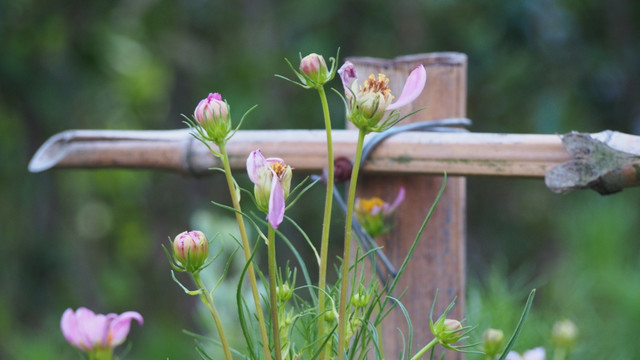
564 334
492 340
283 293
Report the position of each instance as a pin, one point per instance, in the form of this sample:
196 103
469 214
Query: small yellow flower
375 215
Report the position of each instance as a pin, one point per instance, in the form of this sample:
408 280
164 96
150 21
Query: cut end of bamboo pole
51 152
150 149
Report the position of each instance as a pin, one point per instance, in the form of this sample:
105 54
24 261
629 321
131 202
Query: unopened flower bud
283 293
342 169
564 334
212 114
493 340
191 250
447 331
314 66
360 299
452 325
331 316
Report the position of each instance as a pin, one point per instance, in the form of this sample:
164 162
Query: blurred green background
92 238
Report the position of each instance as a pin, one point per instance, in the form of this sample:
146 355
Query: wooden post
439 260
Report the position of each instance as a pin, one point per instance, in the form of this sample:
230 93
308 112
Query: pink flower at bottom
533 354
89 331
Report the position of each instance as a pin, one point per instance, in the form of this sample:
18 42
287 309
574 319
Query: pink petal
69 327
347 74
512 355
375 210
399 199
412 88
534 354
96 329
276 203
215 96
92 327
273 160
119 328
200 107
255 163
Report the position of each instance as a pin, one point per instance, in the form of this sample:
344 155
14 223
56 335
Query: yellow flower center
279 168
368 204
377 86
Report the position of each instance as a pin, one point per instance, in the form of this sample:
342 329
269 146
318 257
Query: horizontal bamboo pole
457 153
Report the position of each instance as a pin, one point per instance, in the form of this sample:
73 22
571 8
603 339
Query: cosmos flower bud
448 331
315 68
564 334
493 340
212 114
283 293
342 169
191 250
331 316
452 325
360 298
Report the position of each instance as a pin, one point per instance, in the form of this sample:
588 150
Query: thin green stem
425 349
101 354
207 299
271 236
346 257
326 223
247 250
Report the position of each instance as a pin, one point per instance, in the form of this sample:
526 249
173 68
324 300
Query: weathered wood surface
439 259
606 162
411 152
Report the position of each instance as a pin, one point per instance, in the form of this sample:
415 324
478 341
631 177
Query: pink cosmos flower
367 103
272 179
374 206
90 332
533 354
